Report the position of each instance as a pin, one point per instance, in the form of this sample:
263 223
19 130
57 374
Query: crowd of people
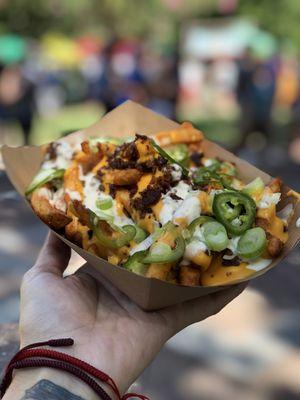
137 70
123 69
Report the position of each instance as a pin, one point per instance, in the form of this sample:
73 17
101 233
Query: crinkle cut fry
186 133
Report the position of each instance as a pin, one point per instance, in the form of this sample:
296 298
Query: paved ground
250 351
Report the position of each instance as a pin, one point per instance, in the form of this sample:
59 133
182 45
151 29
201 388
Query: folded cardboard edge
29 158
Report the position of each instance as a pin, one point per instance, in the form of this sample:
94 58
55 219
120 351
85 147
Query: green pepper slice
125 234
252 243
165 155
161 253
121 240
198 222
226 181
42 177
179 153
135 264
140 234
204 175
215 236
235 210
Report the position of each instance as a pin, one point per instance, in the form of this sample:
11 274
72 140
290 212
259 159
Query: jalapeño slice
235 210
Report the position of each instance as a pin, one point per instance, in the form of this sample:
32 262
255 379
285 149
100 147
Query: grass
69 119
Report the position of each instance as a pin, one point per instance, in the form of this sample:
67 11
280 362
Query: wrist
55 380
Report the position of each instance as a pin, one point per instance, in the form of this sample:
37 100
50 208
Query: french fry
121 177
40 202
159 271
189 276
185 134
72 181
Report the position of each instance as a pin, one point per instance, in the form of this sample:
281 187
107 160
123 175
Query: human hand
110 331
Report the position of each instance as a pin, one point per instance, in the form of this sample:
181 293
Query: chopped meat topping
151 195
175 197
51 151
274 246
233 262
196 158
147 198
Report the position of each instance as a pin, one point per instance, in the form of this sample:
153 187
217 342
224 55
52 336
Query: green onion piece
205 175
179 153
228 168
135 264
252 243
215 164
104 204
198 222
165 155
44 176
140 234
102 216
255 187
215 236
161 253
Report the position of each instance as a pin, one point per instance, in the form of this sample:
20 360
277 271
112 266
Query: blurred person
294 147
163 85
16 99
255 92
110 332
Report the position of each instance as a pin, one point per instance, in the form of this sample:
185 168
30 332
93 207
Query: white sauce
92 193
56 199
286 212
194 248
196 245
190 209
187 207
232 244
144 245
73 194
269 199
45 192
259 264
208 162
298 223
176 172
64 154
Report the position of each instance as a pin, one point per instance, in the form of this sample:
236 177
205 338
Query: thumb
54 256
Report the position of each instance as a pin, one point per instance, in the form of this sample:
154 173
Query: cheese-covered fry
189 276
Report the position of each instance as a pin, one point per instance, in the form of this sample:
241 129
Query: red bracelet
30 357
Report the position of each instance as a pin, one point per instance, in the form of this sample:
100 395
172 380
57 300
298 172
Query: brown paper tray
22 163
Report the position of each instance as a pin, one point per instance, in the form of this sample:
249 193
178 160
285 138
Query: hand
110 331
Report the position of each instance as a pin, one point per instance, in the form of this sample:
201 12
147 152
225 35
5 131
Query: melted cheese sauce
217 274
276 225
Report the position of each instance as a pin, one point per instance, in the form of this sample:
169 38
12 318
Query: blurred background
229 66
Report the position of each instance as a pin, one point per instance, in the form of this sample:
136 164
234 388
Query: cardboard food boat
22 164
